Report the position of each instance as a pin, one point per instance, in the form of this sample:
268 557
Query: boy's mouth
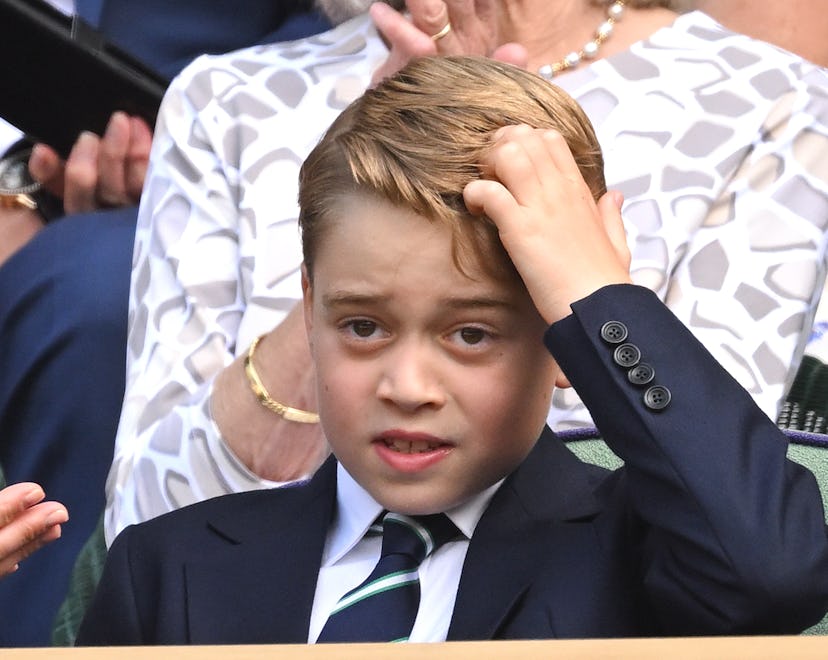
411 446
404 442
411 453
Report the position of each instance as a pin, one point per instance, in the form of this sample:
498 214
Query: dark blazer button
641 374
614 332
627 355
657 397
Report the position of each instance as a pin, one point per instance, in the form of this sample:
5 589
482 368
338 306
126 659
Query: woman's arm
216 264
750 280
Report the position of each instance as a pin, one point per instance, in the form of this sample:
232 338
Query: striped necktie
384 606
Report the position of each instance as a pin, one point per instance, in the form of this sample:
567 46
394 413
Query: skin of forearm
268 445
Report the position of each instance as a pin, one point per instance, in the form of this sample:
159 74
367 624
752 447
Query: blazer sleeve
732 533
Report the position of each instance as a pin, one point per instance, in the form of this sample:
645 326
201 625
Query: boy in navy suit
457 236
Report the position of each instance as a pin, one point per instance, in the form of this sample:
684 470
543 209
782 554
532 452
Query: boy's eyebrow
347 298
478 302
342 298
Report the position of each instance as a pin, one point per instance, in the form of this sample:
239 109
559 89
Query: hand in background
101 172
26 523
17 227
473 32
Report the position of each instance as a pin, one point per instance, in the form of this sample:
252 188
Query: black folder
59 76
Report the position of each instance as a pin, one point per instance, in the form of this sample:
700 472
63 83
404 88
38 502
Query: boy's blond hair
419 137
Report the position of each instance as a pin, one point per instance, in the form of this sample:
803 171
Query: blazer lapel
517 536
285 555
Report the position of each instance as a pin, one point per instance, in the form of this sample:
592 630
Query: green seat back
84 580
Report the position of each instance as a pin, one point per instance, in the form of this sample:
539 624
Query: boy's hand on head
563 244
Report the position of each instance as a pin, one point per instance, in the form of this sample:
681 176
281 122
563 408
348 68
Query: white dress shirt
350 556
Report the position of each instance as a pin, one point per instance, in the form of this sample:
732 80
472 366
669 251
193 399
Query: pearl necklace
614 14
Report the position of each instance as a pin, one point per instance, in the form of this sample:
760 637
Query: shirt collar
351 522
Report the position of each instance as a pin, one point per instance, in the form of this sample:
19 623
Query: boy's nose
410 379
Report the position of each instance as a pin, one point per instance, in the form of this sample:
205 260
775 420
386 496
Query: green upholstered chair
806 406
85 575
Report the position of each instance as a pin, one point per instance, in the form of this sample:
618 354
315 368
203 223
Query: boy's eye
363 328
472 335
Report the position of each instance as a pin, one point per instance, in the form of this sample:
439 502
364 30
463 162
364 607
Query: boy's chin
412 505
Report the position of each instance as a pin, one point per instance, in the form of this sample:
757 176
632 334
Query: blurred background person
64 287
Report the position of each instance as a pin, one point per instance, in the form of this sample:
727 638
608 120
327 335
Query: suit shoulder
243 511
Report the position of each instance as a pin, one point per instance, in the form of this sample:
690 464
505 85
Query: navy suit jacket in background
707 529
173 32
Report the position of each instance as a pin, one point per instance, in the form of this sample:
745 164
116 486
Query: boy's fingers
566 166
490 198
538 168
561 155
546 149
609 208
518 161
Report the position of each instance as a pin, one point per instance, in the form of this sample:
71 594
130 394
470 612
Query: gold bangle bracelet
261 393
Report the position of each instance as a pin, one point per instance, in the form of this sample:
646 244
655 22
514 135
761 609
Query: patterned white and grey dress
719 143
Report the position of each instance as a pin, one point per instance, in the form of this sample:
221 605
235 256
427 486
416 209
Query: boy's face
432 386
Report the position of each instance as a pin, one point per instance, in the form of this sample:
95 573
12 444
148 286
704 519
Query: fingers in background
81 175
32 526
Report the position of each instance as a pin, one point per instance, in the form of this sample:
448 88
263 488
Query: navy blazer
707 529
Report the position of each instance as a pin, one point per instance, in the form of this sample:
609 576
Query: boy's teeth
411 447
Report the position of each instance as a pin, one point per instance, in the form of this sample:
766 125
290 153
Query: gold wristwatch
17 186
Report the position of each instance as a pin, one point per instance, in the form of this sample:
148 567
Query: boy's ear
307 303
560 377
